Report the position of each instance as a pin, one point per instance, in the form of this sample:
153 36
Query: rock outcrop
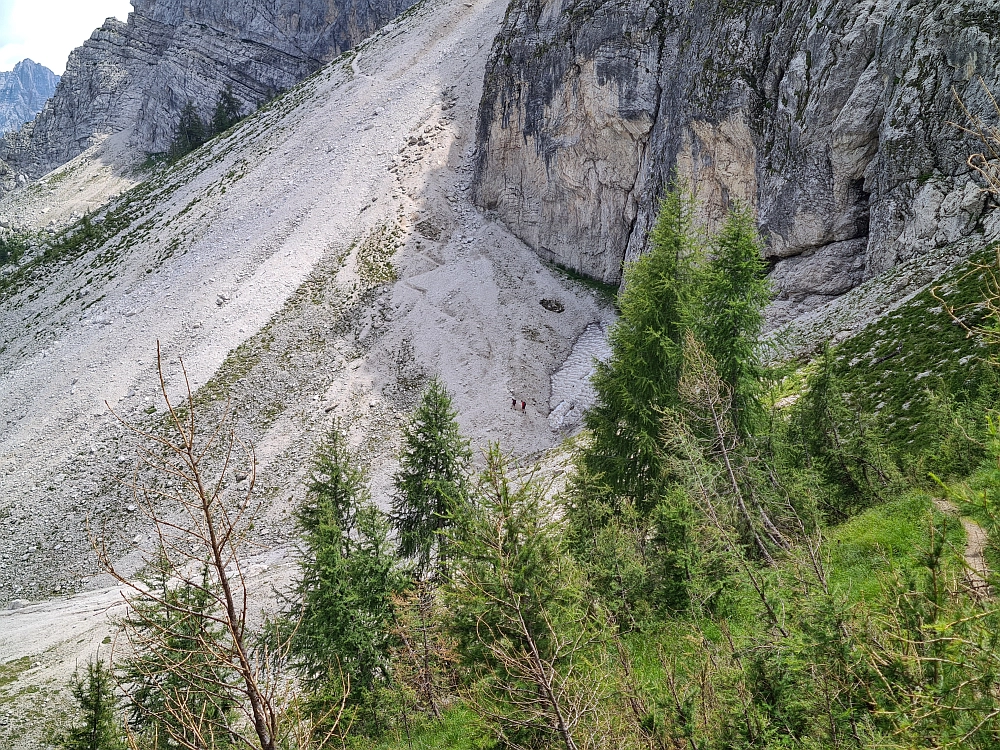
136 77
830 118
23 93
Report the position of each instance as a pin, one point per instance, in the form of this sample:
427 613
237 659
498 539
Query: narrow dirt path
975 547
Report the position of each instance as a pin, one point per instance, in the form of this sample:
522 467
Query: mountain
389 217
23 93
133 79
832 119
318 261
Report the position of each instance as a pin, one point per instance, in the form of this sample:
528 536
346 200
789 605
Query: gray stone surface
137 76
829 117
23 92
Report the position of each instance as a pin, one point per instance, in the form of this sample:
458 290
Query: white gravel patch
572 392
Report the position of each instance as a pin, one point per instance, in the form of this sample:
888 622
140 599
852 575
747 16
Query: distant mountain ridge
23 93
135 78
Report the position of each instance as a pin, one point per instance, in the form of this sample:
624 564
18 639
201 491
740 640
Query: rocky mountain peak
23 92
135 78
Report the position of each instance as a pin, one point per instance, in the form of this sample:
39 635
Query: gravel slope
319 261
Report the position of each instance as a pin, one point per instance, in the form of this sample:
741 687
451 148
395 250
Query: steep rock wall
137 76
830 118
23 92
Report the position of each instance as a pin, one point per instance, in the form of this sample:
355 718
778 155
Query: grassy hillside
891 367
867 556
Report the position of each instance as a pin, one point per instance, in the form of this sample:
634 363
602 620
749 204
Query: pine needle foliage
191 132
171 674
732 294
350 579
335 488
525 623
94 695
826 434
640 379
430 483
627 524
227 111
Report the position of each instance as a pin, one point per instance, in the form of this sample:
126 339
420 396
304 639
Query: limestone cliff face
23 92
829 117
137 76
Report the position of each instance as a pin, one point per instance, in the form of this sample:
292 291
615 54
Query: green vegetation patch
865 550
375 252
458 729
83 236
12 248
11 671
892 367
236 366
607 292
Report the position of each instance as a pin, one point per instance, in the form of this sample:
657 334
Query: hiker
522 406
513 403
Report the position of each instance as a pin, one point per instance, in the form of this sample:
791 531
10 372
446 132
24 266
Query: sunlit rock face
833 120
138 76
23 92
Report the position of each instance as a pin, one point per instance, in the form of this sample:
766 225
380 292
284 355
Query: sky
48 30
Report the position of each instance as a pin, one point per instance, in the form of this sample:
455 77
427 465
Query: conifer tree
335 487
191 132
94 694
520 609
640 379
199 673
227 111
841 443
732 293
349 580
431 478
178 692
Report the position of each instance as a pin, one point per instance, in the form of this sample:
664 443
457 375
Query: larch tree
191 132
430 483
227 111
349 581
526 625
98 727
732 294
640 379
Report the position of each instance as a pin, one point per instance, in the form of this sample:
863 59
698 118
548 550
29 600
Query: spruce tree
349 581
94 694
524 620
640 379
335 487
431 478
227 111
191 132
732 293
842 444
174 676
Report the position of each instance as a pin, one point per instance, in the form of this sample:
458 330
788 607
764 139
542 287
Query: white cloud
48 30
